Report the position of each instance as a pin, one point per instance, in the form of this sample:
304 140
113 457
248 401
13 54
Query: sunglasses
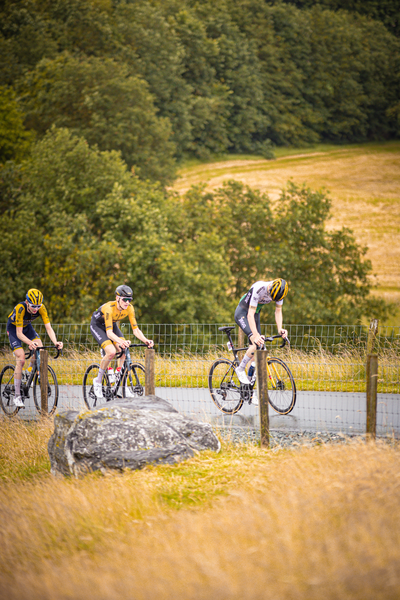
35 305
127 300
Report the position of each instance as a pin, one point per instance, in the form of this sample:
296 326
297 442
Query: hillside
363 181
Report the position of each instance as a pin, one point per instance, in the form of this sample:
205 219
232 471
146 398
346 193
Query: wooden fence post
372 333
372 389
262 385
149 383
241 341
44 381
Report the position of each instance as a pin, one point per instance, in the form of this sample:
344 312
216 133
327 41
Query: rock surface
125 434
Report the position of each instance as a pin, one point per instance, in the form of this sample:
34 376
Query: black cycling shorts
242 321
100 335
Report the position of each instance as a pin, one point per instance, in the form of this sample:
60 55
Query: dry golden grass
253 524
364 184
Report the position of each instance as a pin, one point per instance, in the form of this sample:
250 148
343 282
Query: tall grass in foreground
315 371
245 523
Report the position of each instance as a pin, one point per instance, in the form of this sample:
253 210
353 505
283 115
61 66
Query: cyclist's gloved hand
149 343
283 333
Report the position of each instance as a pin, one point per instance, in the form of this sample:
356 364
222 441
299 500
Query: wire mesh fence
327 362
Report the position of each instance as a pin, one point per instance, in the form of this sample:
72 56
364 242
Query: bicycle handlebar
119 354
273 337
29 353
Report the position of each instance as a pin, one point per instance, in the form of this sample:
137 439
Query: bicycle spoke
89 396
224 386
281 386
133 385
7 391
52 391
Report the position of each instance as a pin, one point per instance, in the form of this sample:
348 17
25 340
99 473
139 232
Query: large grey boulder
125 434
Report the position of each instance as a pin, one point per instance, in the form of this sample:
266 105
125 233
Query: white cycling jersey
258 295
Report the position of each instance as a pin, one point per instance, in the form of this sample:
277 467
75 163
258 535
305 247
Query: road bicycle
29 380
229 394
131 376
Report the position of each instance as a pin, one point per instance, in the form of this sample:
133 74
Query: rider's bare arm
256 338
52 336
279 320
140 335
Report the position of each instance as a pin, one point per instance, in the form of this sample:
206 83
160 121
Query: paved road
315 411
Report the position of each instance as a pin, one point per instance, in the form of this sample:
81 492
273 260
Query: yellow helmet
279 289
34 297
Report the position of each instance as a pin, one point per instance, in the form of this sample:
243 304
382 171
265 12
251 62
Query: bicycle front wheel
224 387
133 384
90 398
52 391
281 386
7 391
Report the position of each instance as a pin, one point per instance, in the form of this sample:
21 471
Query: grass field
319 370
364 185
250 523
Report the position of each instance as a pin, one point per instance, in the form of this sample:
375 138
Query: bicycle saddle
226 329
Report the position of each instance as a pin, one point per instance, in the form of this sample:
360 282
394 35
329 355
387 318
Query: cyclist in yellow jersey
106 332
20 330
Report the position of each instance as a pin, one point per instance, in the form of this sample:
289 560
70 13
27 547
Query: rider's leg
119 333
109 354
19 364
33 357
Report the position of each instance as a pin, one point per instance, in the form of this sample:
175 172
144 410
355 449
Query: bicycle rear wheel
7 391
133 382
52 391
224 387
90 398
281 386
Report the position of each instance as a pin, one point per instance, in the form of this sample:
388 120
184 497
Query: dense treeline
81 223
161 79
100 99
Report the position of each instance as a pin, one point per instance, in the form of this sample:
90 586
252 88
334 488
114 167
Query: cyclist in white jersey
247 317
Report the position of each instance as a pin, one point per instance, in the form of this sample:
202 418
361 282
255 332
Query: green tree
330 280
102 101
15 140
386 11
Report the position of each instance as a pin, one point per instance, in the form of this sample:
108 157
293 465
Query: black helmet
124 291
279 289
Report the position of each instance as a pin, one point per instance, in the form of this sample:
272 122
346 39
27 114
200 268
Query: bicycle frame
36 368
229 394
126 365
236 350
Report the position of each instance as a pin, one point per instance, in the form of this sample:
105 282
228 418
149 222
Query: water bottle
110 373
118 372
251 373
229 346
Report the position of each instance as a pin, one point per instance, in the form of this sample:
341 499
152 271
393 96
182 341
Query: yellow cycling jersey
20 316
109 313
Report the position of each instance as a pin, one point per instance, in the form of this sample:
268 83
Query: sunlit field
364 185
252 523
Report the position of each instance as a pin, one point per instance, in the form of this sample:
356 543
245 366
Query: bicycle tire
89 396
224 386
7 391
134 381
282 387
52 391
